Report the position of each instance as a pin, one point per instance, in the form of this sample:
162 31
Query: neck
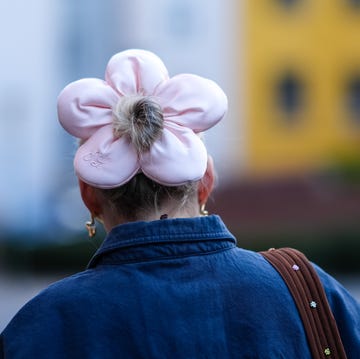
111 219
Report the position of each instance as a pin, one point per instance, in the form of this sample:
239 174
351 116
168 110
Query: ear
206 185
90 199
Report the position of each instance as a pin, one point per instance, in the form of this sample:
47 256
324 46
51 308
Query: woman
168 281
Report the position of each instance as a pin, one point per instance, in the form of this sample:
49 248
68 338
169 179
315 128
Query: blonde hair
140 196
140 119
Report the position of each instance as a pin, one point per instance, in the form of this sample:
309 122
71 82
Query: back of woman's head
139 131
141 120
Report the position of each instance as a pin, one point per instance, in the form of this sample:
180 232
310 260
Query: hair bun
139 118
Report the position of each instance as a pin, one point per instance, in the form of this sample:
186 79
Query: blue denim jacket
173 288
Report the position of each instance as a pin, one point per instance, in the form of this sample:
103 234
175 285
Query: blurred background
287 154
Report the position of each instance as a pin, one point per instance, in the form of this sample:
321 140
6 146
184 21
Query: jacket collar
140 241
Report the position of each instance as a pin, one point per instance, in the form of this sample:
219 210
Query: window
289 92
288 3
352 97
354 3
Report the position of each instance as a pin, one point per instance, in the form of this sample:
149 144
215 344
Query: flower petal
104 162
86 105
135 72
178 157
192 101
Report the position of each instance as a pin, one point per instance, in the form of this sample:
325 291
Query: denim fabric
173 288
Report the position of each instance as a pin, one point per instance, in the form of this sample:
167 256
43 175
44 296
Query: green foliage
336 251
68 257
345 167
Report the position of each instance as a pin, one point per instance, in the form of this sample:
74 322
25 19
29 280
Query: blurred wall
28 147
49 43
302 84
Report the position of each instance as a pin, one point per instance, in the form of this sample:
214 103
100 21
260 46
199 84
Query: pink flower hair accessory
108 158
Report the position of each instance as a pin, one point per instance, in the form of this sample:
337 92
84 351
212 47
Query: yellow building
302 83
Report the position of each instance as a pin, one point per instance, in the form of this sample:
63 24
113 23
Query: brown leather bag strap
310 298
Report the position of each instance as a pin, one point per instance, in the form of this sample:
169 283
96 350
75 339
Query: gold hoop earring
203 211
91 227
